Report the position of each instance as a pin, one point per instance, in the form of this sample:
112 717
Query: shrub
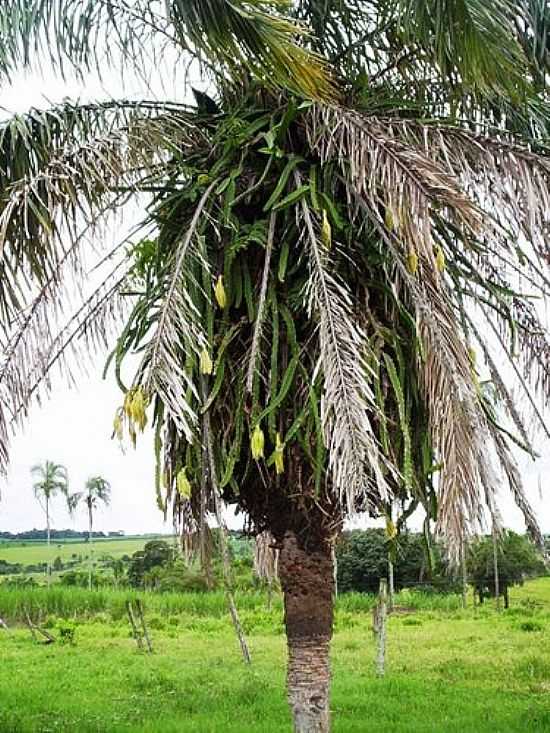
67 632
531 626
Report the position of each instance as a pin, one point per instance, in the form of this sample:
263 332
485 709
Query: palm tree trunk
49 567
307 581
90 543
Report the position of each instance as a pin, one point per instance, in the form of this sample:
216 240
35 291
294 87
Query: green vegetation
517 559
493 676
28 553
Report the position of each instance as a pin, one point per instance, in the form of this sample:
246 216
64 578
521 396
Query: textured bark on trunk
307 581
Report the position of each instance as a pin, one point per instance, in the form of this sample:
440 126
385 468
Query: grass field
32 552
449 671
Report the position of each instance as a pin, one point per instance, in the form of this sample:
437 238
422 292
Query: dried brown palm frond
400 181
43 213
26 374
178 333
520 204
502 390
515 482
355 460
266 557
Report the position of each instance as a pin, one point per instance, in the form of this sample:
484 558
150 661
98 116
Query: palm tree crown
50 479
333 269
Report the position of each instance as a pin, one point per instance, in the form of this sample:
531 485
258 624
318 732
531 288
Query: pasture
448 670
31 552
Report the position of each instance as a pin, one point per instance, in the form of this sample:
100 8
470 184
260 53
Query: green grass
33 552
449 671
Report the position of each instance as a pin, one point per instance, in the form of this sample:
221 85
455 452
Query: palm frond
252 365
402 183
266 557
179 332
472 42
95 34
520 205
26 374
43 213
356 461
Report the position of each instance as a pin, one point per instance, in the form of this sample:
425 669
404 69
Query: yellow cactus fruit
440 259
412 262
219 292
279 457
257 443
137 408
127 407
182 484
206 365
326 231
203 179
117 426
391 530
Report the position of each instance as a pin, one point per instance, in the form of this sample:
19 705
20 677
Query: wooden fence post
380 618
495 566
143 626
135 631
464 574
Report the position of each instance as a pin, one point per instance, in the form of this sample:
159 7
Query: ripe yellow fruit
279 457
117 425
203 179
127 407
412 262
440 259
257 443
182 484
326 231
206 365
219 292
137 408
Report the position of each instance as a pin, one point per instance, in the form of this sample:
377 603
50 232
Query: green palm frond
178 334
472 42
93 34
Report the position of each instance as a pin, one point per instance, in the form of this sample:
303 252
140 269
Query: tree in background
518 559
97 490
51 479
155 554
322 255
362 561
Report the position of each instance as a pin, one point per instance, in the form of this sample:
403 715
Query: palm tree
50 479
321 276
97 490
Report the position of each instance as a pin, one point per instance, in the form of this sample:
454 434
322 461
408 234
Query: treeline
363 558
57 534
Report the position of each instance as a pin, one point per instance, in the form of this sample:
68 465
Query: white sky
74 428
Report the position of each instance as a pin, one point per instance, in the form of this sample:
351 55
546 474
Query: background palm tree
50 480
97 490
322 275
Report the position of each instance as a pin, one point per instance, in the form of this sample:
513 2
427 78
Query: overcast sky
75 427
